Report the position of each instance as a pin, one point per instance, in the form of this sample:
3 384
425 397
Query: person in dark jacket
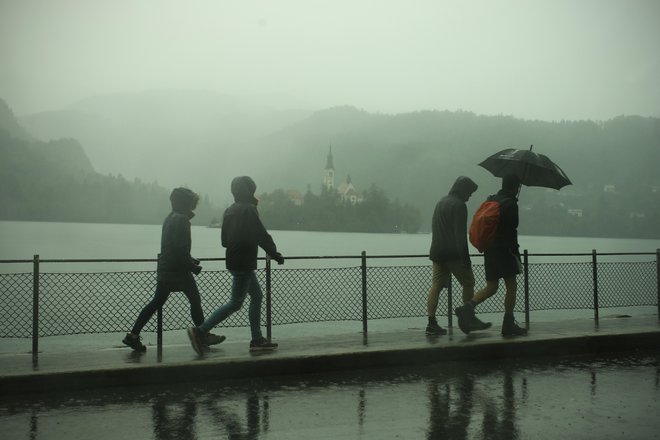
242 234
175 268
449 250
501 259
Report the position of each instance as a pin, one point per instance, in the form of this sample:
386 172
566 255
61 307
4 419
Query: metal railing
38 303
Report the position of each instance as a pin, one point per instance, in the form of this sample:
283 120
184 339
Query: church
347 192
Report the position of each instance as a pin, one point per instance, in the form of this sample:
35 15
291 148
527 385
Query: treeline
327 212
598 213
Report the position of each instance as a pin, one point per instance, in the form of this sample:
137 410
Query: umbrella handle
524 174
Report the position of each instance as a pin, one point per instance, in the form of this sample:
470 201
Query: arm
261 235
181 244
460 234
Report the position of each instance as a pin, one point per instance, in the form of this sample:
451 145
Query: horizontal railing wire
108 302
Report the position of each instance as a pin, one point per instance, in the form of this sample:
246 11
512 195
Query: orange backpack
484 225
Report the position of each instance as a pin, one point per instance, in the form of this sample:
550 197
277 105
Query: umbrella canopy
532 168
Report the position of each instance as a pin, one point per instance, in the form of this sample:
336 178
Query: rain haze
530 59
406 96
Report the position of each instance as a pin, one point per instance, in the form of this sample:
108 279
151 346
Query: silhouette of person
242 233
449 251
501 260
175 268
234 428
174 420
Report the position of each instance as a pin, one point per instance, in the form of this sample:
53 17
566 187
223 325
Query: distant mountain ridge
204 141
55 181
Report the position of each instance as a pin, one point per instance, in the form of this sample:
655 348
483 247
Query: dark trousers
187 285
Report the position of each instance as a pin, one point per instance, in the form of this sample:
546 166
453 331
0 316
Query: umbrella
534 169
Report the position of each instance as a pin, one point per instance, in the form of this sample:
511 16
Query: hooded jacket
449 224
174 260
242 231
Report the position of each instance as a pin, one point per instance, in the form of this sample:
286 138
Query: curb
264 366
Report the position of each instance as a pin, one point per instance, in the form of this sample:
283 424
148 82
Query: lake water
22 240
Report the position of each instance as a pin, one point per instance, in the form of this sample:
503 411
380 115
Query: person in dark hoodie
242 234
501 259
449 251
175 268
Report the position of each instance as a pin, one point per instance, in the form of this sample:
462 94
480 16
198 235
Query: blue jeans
243 283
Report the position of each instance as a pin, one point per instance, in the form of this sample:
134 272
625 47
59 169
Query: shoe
465 315
195 337
211 339
433 329
511 328
134 342
262 344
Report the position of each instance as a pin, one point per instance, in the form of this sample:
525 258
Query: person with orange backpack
494 231
449 252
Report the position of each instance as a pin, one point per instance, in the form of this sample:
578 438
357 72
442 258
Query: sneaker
211 339
514 330
195 337
134 342
433 329
262 344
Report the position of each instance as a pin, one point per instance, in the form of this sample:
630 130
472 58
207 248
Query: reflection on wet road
600 397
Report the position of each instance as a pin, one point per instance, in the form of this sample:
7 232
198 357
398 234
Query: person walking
449 252
242 233
175 268
501 260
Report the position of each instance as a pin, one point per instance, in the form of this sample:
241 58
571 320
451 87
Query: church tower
329 177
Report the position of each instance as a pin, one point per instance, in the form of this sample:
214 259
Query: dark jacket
506 236
449 224
174 260
242 232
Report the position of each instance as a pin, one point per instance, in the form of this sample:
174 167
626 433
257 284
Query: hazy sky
545 59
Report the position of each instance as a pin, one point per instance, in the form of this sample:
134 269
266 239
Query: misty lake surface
22 240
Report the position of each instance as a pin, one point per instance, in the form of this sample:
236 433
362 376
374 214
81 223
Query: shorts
442 270
500 262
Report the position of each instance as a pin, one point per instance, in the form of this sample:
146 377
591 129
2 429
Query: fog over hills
203 140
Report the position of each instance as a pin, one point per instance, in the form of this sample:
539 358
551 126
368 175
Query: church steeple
329 165
329 178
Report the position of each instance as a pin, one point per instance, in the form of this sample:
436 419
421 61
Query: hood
243 188
463 187
183 200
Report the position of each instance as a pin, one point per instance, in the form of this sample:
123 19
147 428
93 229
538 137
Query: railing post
35 306
269 310
657 276
364 292
594 263
450 295
526 285
159 330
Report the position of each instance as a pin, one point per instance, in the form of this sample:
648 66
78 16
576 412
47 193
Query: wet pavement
568 379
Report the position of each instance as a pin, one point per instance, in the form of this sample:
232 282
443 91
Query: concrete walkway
20 373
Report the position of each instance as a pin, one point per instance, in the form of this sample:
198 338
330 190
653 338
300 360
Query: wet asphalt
569 380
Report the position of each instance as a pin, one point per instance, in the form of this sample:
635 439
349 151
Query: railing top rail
309 257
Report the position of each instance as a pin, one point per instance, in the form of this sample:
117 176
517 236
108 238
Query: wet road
599 397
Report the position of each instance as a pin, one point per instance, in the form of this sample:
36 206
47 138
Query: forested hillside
55 181
413 158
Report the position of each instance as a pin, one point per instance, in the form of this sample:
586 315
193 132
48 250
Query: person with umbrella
501 261
516 167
